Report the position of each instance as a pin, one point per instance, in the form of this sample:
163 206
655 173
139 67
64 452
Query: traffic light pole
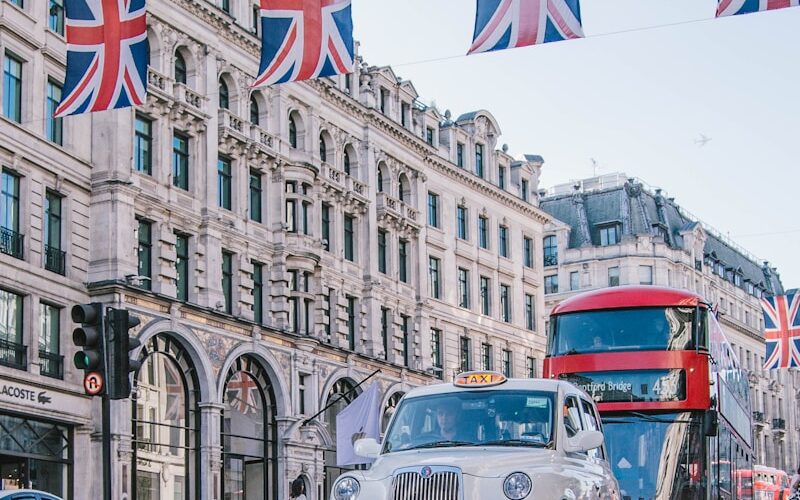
106 447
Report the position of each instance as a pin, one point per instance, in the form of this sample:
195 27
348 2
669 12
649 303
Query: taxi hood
480 461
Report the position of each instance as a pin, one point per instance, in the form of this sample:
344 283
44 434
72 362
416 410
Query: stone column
210 452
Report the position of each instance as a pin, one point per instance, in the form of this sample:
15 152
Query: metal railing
778 423
551 260
55 260
51 364
13 354
11 242
758 416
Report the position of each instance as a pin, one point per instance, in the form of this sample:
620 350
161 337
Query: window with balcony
323 149
402 260
486 356
224 96
12 88
613 276
609 234
56 17
527 252
349 237
292 133
51 362
145 253
433 277
346 162
479 160
503 241
433 209
255 112
180 160
466 354
12 351
486 296
382 251
530 312
462 219
255 196
463 288
436 351
54 257
483 232
180 69
182 266
505 303
143 145
227 280
550 250
551 284
224 181
54 127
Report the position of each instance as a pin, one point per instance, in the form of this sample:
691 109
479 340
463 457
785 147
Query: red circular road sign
93 383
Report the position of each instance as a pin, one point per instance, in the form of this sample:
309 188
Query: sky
634 95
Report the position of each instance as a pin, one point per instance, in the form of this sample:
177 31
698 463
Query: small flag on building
506 24
735 7
107 56
360 419
782 330
304 39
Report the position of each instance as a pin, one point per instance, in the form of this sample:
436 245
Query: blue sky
632 96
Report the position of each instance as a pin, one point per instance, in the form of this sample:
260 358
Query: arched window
342 392
323 149
403 189
165 422
249 433
224 99
180 68
550 250
380 179
346 162
254 111
292 132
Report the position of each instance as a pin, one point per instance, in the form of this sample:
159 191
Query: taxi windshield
473 418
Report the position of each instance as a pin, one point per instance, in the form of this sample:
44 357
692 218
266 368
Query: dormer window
609 234
460 155
405 110
384 101
479 160
429 135
737 279
523 188
501 177
661 230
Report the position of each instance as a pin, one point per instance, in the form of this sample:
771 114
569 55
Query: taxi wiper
516 442
441 444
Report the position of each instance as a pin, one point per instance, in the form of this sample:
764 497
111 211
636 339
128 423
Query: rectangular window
531 367
503 242
12 88
55 258
301 384
574 280
483 232
12 352
385 320
330 312
255 18
551 284
462 217
486 357
463 288
180 161
351 323
460 155
50 359
258 292
255 196
505 303
527 251
227 280
523 188
433 209
406 323
402 260
349 249
645 275
479 160
466 354
613 276
530 312
56 19
326 227
507 367
224 182
143 145
382 251
486 298
429 135
226 5
550 250
609 235
404 112
182 266
433 276
436 351
145 254
384 101
54 127
501 177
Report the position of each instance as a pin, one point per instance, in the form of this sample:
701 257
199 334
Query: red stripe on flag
556 15
281 57
530 12
492 26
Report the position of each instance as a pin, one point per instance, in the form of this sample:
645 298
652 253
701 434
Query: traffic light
119 345
90 337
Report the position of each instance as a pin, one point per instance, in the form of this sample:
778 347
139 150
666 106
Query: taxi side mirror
367 448
584 441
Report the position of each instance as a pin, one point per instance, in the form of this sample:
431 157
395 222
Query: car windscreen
473 418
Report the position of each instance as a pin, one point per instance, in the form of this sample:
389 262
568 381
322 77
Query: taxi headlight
517 486
346 488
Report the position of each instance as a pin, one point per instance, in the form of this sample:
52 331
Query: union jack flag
107 56
734 7
782 330
506 24
304 39
243 393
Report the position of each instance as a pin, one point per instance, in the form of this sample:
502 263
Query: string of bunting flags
107 52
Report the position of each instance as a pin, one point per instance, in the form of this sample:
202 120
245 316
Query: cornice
224 25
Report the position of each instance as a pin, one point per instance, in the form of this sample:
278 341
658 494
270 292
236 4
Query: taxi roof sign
479 379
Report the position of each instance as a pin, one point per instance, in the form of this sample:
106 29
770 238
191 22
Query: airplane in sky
702 140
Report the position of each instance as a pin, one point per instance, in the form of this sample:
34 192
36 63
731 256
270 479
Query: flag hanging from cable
107 56
304 39
507 24
782 330
735 7
360 419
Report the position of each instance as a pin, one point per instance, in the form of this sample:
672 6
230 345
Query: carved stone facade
612 230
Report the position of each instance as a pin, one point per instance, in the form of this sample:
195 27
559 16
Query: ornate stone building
611 231
280 245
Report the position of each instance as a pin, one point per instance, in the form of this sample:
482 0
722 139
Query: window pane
53 125
12 88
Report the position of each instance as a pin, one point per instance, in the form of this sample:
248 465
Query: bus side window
592 424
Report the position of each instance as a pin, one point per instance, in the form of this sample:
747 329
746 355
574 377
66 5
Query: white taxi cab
486 437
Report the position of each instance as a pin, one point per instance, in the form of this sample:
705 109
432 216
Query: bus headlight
346 488
517 486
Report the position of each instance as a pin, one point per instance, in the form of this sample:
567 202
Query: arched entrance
165 420
249 433
342 392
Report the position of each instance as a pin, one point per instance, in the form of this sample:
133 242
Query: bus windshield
640 329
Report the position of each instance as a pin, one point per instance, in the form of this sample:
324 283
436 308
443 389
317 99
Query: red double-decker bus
674 403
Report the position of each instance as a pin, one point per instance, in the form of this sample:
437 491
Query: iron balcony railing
551 260
55 260
51 364
13 354
778 423
758 416
11 242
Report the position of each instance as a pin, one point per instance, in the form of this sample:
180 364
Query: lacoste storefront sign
28 395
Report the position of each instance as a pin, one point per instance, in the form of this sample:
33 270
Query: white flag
360 419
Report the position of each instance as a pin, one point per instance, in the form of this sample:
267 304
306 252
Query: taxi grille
441 485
